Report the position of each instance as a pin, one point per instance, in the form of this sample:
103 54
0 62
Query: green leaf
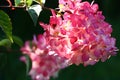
41 2
17 2
23 2
5 43
28 63
29 2
6 25
34 12
18 40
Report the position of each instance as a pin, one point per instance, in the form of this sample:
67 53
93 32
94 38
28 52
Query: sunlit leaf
6 25
23 2
41 2
34 12
17 2
29 2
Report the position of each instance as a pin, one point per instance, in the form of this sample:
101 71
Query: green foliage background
12 69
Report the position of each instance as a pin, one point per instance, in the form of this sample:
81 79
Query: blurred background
12 69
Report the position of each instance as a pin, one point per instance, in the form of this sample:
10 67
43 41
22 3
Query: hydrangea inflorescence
43 64
77 34
80 34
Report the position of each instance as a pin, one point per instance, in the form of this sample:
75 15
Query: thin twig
10 3
12 6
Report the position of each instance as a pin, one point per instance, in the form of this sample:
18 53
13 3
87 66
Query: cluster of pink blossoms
43 64
76 34
80 34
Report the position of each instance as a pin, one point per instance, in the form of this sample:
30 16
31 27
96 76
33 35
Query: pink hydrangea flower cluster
79 33
43 65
